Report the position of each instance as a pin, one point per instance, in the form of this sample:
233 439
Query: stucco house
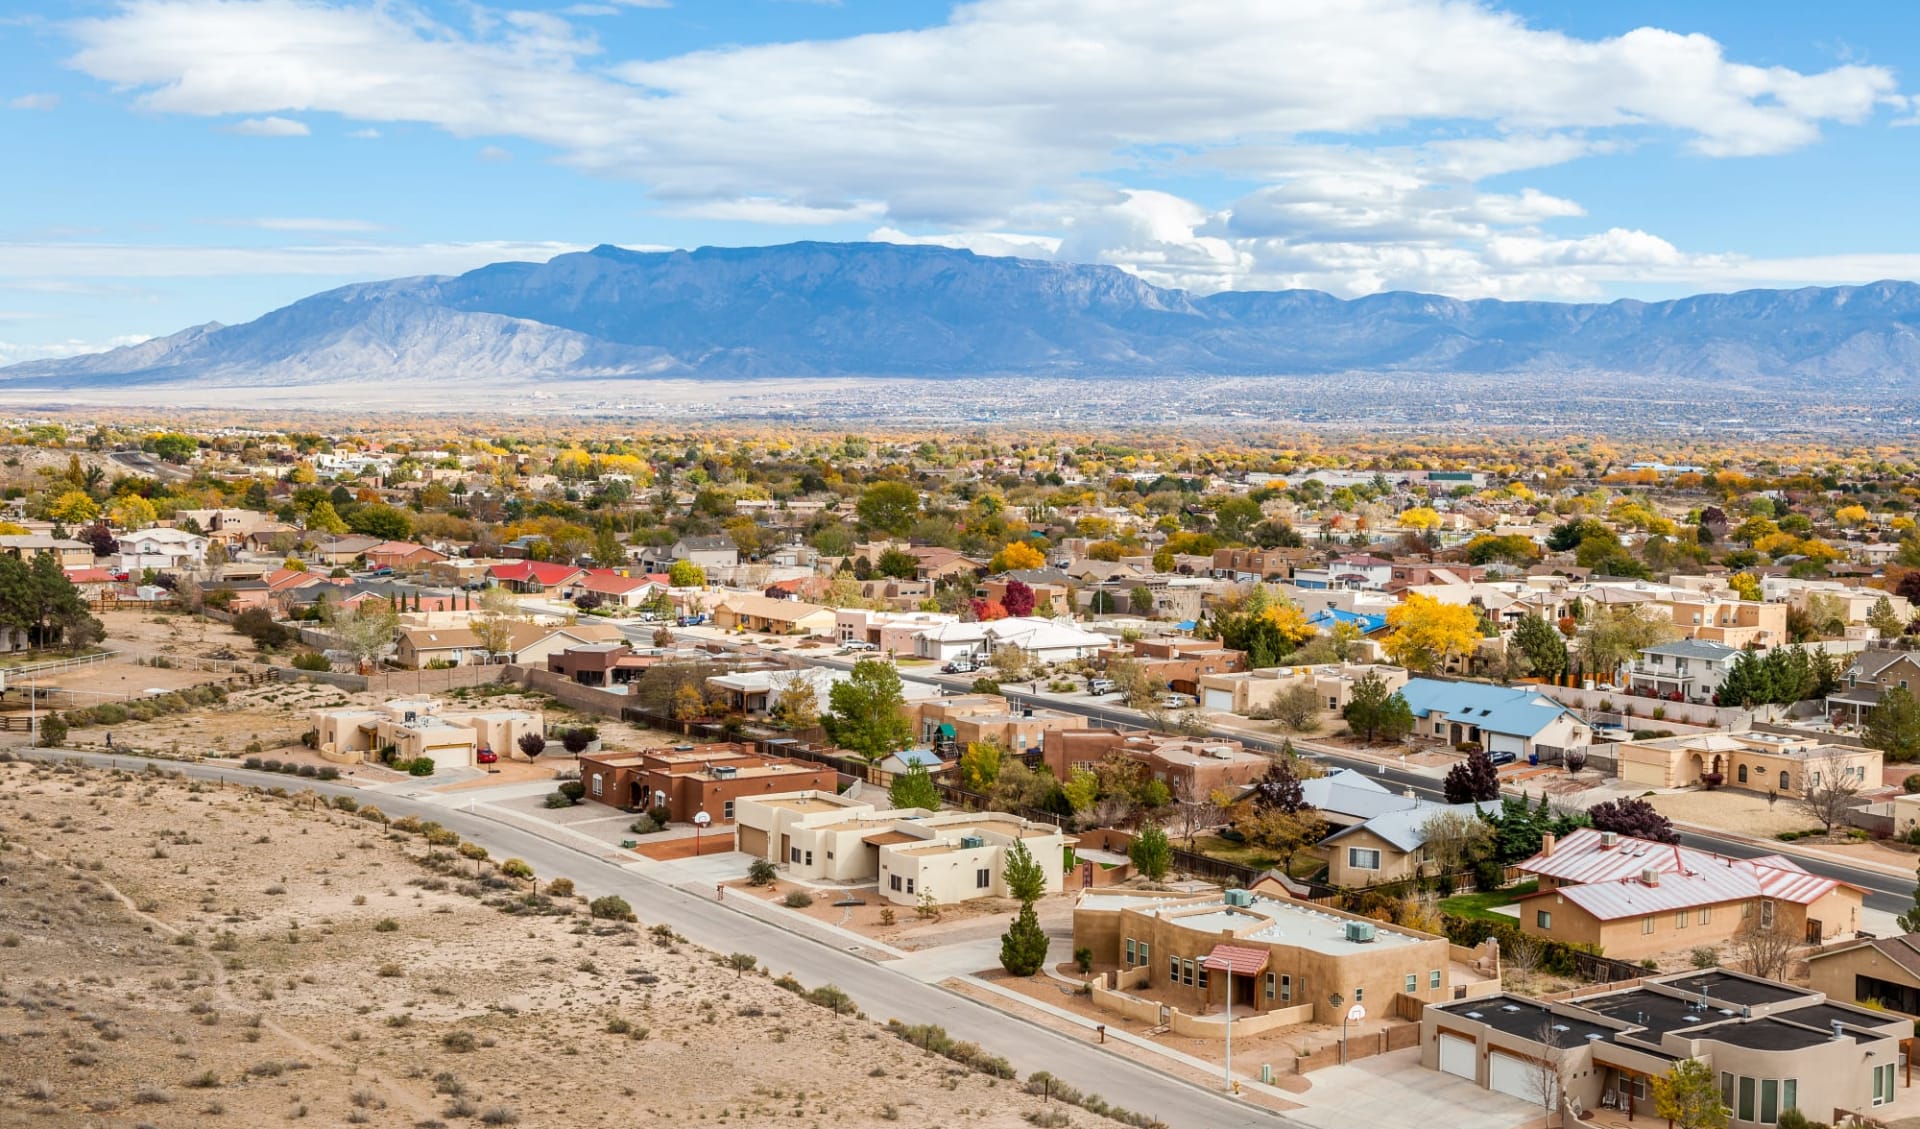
1758 762
1518 720
1691 669
1876 971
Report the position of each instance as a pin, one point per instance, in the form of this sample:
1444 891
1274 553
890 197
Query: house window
796 855
1143 952
1646 924
1359 994
1413 983
1769 1101
1439 729
1790 1093
1186 972
1286 989
909 885
1542 919
1883 1084
809 858
1726 1089
596 784
1173 970
1360 858
1433 979
1743 774
1272 985
1783 780
1129 952
894 883
1203 976
1746 1099
1680 920
726 812
1704 915
983 878
1766 913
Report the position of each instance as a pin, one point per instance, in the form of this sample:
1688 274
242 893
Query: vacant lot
175 954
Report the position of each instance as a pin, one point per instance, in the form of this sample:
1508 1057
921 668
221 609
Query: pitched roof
1519 712
1405 828
1702 649
1607 881
545 573
1347 792
1241 960
1903 951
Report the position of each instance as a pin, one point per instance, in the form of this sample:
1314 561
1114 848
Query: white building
163 550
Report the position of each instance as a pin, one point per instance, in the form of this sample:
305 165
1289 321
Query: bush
254 764
573 790
831 997
612 907
761 873
311 660
532 744
386 925
328 772
797 899
309 771
460 1042
519 868
53 730
661 814
372 814
1911 784
473 851
643 826
420 766
559 800
556 887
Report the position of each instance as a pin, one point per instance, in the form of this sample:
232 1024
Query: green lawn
1305 863
1483 905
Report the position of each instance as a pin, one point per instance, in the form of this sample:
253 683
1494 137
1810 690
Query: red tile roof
1238 959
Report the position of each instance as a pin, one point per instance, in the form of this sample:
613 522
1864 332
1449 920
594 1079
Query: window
1542 919
1360 858
1272 985
1769 1101
796 855
894 883
1784 786
1704 915
1142 952
1680 920
1790 1094
1646 924
1186 972
596 784
909 885
1359 994
1286 988
1203 976
1746 1099
1173 970
1766 913
1883 1084
983 877
1743 774
1726 1089
1413 983
726 812
1433 979
1129 952
810 863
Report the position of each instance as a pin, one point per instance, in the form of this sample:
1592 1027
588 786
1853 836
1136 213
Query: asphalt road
880 991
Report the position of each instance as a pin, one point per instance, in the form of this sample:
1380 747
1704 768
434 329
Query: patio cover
1237 959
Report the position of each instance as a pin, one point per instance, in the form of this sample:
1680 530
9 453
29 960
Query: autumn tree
1017 556
1426 634
1018 598
798 706
980 765
1613 636
1633 817
1688 1096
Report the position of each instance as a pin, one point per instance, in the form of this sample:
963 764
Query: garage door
1504 743
753 840
1456 1057
1220 700
1511 1076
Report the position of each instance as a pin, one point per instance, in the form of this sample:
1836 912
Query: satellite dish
701 819
1356 1013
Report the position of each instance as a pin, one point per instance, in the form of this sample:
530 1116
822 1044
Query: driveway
1392 1089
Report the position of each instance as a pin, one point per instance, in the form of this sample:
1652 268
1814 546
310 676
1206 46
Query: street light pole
1229 1079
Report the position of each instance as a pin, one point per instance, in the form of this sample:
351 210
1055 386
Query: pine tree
1543 645
1026 879
1023 947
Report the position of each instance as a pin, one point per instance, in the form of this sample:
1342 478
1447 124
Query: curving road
880 991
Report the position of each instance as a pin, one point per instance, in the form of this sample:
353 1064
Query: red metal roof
1238 959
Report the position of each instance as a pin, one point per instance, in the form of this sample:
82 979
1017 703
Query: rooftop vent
1510 1007
971 842
725 772
1360 932
1650 876
1609 840
1241 898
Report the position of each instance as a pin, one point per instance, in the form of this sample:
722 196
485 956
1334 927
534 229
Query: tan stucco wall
1394 865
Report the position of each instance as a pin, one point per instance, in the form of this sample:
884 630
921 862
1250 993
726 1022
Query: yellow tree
1290 622
1851 515
1745 584
1420 517
131 511
74 507
1427 633
1017 555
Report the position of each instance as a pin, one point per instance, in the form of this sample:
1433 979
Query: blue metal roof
926 757
1514 711
1326 618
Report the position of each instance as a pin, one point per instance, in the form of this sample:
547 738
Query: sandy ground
242 960
975 920
1733 810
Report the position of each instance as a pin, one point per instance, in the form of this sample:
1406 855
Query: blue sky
178 161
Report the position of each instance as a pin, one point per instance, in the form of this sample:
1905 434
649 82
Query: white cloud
495 154
35 102
267 127
363 134
1033 116
1010 243
15 352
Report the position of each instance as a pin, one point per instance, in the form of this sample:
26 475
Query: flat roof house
1757 762
689 779
1772 1047
1189 766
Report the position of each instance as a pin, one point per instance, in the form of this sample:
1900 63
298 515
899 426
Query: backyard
1486 905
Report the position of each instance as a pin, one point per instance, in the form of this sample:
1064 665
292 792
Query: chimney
1546 845
1839 1029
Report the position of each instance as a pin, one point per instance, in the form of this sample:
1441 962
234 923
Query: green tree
323 518
980 765
1909 921
1882 619
868 717
1082 789
1894 725
888 507
1151 853
1026 878
914 788
382 521
898 565
1374 711
1023 948
1542 644
1689 1096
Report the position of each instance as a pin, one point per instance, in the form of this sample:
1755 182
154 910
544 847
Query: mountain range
879 309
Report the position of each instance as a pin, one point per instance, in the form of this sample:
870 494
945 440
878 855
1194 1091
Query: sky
165 163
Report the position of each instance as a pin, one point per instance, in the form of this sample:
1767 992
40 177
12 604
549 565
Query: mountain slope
827 309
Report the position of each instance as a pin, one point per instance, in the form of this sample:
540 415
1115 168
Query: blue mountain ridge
881 309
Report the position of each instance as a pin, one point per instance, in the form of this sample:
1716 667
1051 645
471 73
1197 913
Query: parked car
858 645
958 666
1502 757
1101 686
486 756
1177 701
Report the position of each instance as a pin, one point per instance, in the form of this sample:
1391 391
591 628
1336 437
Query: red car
486 756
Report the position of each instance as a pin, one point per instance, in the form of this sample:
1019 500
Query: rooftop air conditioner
1241 898
1650 877
1360 932
972 842
1609 838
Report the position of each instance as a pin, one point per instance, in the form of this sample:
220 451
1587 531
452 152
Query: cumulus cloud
267 127
1037 116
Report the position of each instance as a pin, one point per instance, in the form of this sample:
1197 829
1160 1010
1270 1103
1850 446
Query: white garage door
1511 1076
1456 1057
1505 743
1220 700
